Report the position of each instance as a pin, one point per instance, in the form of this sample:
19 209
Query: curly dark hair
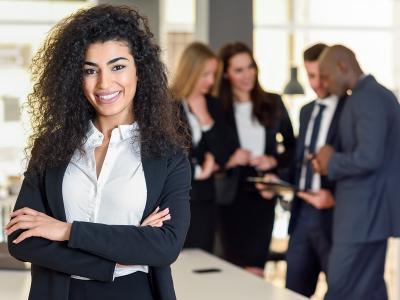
265 107
59 111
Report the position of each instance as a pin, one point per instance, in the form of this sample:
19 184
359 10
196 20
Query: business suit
366 171
202 228
93 249
246 224
310 229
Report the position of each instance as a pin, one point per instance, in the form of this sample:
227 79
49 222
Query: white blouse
251 133
118 196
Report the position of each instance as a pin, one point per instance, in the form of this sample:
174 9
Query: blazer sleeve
54 255
143 245
217 139
371 125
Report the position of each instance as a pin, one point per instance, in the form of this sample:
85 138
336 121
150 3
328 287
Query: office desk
231 283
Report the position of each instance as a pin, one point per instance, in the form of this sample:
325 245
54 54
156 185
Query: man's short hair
312 53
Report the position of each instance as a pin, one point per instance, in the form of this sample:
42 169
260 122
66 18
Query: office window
369 27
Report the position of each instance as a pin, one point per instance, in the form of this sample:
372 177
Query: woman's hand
208 168
266 194
264 162
240 157
157 217
37 224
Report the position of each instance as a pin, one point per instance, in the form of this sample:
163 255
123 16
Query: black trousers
306 257
356 271
135 286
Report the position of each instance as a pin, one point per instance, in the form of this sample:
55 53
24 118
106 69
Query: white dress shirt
327 116
251 132
118 196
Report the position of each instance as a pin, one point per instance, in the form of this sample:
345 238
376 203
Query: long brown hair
265 106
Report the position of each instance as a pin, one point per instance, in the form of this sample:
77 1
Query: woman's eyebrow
108 63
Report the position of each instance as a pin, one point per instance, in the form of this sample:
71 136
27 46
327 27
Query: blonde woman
202 113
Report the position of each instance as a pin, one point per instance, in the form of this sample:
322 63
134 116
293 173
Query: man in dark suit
311 216
365 168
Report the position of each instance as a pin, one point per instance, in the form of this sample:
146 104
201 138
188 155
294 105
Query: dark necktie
313 143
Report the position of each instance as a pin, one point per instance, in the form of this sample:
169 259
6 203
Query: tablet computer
279 187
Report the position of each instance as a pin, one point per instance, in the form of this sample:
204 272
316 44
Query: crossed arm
36 237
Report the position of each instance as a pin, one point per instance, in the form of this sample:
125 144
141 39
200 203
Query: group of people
233 135
124 170
346 168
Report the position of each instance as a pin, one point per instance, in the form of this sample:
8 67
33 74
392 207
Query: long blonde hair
188 72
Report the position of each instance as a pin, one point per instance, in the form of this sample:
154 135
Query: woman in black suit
104 207
202 113
263 135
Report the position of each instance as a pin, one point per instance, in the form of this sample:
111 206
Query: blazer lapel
155 173
230 120
53 183
303 131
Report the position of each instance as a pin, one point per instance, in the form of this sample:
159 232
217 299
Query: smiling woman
109 80
104 207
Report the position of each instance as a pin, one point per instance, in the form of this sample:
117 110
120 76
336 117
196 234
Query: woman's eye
89 71
118 67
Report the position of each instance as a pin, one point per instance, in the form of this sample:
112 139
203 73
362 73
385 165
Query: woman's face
241 72
109 80
207 77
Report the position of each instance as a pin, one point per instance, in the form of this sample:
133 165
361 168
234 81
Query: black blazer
331 139
214 141
283 126
93 249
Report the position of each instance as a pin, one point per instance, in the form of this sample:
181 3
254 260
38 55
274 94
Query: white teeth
108 97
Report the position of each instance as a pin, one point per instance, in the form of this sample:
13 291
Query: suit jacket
366 167
214 141
331 139
93 249
283 126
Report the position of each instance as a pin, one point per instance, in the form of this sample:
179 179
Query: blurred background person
365 169
254 117
310 224
195 76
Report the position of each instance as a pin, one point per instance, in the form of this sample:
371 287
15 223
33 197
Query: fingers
25 235
260 186
315 165
20 218
271 178
160 222
25 211
20 225
268 195
157 218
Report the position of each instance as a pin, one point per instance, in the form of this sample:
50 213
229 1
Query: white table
231 283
